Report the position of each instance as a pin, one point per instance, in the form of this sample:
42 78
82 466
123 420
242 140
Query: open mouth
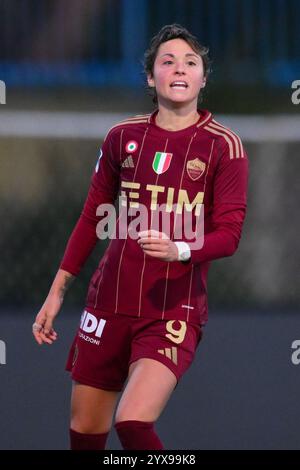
179 85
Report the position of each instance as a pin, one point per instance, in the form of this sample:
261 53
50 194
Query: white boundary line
94 125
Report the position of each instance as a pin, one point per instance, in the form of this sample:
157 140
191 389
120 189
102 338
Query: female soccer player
147 300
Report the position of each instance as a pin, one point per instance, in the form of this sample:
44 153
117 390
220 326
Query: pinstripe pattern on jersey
120 148
104 262
131 121
208 164
125 241
144 260
205 179
146 119
190 289
180 185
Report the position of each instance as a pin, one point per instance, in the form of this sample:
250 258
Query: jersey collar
205 117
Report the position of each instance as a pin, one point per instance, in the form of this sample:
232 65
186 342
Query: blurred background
72 69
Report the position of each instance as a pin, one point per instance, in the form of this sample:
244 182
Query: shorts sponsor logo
89 323
88 339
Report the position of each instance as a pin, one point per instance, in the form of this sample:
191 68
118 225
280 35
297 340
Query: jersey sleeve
103 190
228 209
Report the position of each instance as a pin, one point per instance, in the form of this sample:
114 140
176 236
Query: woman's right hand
42 329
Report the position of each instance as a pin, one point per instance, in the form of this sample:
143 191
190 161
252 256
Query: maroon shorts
106 344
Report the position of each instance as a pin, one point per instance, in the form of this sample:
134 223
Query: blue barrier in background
101 42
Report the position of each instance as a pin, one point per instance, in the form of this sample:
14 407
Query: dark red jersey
144 166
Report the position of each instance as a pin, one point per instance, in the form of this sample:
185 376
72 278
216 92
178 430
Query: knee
88 426
137 435
82 426
127 413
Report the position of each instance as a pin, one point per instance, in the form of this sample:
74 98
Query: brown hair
168 32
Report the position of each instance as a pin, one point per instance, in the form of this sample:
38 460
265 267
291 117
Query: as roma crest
195 168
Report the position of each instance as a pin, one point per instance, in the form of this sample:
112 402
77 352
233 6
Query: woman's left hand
158 245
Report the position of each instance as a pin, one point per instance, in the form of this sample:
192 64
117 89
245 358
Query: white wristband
184 251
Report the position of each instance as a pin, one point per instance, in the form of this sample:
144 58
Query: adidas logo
128 162
170 353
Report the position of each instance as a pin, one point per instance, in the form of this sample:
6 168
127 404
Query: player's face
178 73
